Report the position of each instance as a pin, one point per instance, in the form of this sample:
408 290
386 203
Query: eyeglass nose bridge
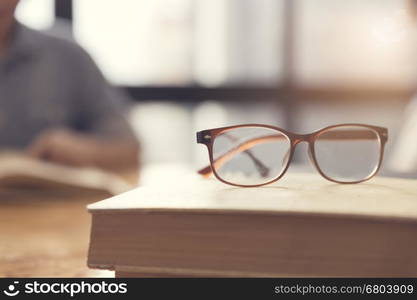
299 138
307 138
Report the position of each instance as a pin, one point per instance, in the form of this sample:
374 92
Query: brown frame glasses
208 138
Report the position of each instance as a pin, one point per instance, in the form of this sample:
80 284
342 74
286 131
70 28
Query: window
181 42
37 14
354 43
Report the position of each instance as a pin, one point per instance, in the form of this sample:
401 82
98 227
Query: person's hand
75 149
65 147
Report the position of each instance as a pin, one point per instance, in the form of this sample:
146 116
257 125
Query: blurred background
189 65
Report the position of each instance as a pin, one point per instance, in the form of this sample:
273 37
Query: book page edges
385 197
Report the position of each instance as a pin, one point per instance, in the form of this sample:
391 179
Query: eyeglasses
253 155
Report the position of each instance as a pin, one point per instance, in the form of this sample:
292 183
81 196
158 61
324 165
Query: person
54 102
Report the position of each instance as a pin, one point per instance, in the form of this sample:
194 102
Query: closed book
300 226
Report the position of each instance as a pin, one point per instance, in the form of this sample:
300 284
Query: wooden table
45 233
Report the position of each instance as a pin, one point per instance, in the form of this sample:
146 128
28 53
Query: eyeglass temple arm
243 147
339 135
262 169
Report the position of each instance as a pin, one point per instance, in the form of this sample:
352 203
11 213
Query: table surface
45 234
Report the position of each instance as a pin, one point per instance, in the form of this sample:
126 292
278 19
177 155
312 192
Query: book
21 172
299 226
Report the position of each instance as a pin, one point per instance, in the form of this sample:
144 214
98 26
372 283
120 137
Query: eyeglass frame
208 136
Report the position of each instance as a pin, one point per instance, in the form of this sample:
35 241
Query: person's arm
98 133
76 149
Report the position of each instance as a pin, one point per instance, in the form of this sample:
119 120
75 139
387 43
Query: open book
18 171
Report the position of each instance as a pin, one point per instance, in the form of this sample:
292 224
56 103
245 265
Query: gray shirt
47 82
